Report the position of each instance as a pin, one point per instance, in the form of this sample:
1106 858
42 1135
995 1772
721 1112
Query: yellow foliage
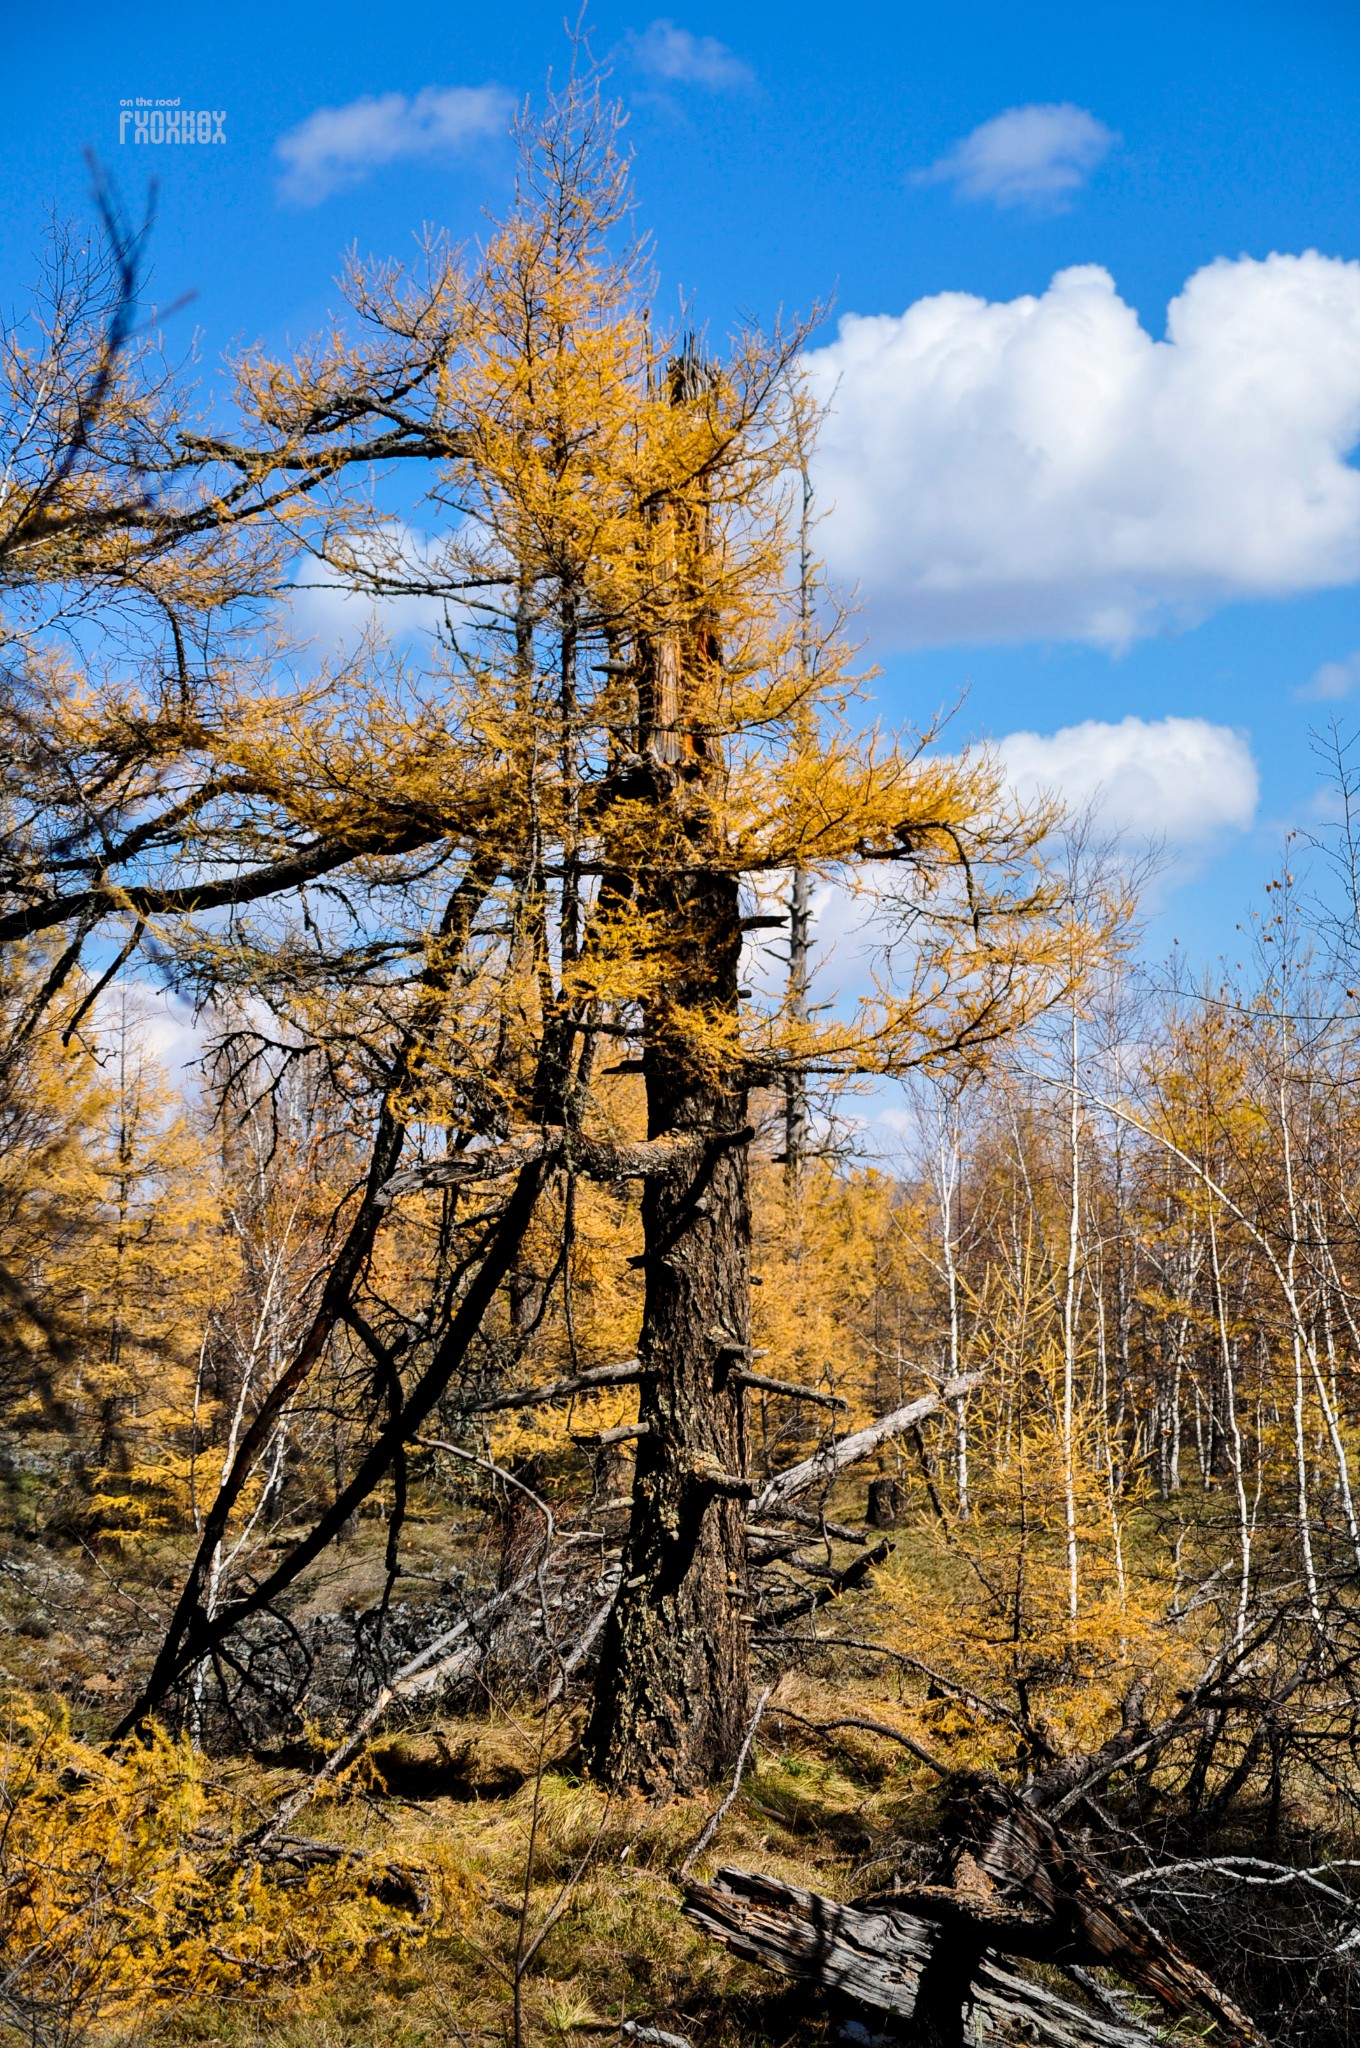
121 1890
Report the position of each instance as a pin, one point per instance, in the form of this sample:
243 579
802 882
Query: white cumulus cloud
1183 783
1029 156
1334 680
1181 780
393 562
1043 467
679 57
337 146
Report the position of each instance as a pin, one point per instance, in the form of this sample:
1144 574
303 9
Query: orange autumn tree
111 1256
476 881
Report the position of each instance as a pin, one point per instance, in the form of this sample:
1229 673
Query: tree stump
887 1503
524 1528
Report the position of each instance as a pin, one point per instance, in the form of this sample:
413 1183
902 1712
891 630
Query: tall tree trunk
795 1081
671 1700
671 1697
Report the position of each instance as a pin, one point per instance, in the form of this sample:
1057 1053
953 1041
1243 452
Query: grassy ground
599 1872
556 1909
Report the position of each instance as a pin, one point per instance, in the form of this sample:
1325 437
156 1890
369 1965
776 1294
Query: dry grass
834 1814
840 1812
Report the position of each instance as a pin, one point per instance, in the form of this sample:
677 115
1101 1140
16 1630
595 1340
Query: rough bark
670 1703
671 1699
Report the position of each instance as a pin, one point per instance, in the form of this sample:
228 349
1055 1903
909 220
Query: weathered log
876 1958
1016 1887
653 2037
893 1961
590 1634
1008 2007
1029 1864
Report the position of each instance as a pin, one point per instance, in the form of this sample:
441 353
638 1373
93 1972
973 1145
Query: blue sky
1122 530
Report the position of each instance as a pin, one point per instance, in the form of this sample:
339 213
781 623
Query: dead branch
596 1158
825 1464
840 1530
435 1663
589 1636
715 1819
560 1390
840 1582
908 1742
794 1390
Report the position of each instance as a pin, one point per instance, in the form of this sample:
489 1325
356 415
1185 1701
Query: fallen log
887 1959
1017 1856
1014 1887
875 1958
1012 2008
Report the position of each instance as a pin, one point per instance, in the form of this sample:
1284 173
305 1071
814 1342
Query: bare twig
909 1742
715 1819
